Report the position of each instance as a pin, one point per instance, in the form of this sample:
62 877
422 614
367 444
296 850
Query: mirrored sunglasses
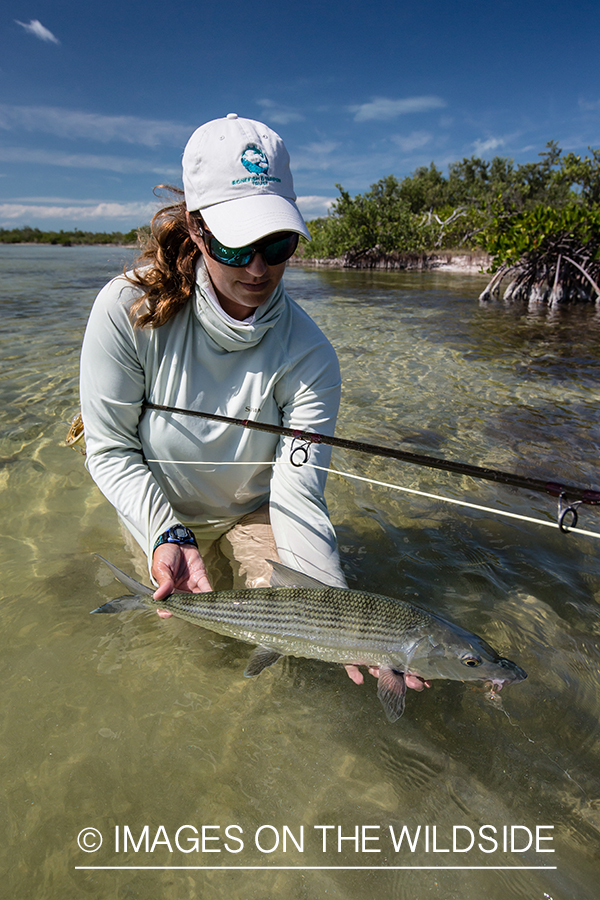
274 249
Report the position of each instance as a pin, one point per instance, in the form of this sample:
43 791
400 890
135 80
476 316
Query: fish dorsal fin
136 587
285 577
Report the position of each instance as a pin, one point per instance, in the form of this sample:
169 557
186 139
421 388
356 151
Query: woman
204 323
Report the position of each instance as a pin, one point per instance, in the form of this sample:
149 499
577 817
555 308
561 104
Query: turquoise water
124 722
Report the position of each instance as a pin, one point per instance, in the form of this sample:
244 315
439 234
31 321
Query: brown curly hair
166 267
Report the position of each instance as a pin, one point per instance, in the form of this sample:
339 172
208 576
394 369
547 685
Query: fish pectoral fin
121 604
283 576
391 690
262 658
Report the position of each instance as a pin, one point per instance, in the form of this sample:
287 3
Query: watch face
179 532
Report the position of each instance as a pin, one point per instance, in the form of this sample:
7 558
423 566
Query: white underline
313 868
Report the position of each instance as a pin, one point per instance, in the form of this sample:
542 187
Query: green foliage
28 235
584 175
425 189
494 205
547 253
509 238
379 220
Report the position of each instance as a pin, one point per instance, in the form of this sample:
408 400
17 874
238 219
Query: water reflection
133 721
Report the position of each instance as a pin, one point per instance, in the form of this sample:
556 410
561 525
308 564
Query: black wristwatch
176 534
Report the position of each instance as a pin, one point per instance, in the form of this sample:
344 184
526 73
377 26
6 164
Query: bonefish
300 616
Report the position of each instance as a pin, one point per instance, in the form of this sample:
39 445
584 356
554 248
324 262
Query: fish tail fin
136 587
130 601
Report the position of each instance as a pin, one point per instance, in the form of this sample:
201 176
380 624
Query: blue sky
99 99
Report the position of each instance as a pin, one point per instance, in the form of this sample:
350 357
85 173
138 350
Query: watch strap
176 534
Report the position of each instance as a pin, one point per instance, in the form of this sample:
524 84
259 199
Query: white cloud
321 148
30 212
317 156
68 123
413 141
278 114
482 147
313 207
37 29
120 164
383 108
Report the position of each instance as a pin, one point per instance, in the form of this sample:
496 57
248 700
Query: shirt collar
212 296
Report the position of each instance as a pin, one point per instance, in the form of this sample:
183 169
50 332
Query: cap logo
254 160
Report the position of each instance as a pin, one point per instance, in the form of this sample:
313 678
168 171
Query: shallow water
130 721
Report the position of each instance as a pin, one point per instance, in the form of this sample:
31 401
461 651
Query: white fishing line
394 487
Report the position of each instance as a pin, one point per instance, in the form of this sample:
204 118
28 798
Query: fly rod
554 488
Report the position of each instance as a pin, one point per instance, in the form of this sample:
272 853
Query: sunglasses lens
280 250
230 256
274 251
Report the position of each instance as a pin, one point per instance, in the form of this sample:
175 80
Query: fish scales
335 618
299 616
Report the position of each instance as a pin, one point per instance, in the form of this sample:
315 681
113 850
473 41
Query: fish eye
471 661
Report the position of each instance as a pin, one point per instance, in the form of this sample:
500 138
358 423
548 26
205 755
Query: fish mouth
514 674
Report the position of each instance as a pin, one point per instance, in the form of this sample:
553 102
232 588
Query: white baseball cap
236 172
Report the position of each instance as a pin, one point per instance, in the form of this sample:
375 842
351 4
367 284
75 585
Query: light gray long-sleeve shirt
279 369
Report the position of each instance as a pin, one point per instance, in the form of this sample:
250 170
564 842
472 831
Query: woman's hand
412 681
178 567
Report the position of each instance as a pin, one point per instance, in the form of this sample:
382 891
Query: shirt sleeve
309 397
112 387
